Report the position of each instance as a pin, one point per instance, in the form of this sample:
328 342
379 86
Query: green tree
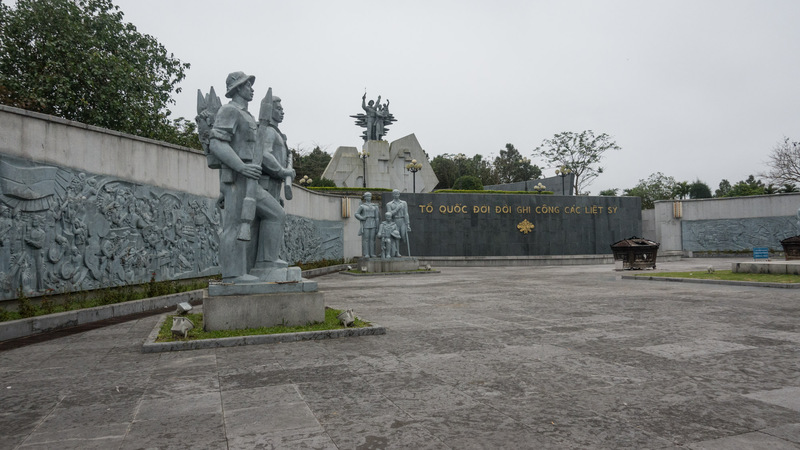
698 189
484 170
78 60
468 183
724 188
579 152
609 192
312 164
656 187
448 168
511 167
681 190
744 188
788 187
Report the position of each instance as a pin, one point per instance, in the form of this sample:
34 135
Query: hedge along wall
83 207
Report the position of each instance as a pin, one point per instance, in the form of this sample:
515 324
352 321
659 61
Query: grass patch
727 275
197 333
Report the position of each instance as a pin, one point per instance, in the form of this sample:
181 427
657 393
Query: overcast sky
694 89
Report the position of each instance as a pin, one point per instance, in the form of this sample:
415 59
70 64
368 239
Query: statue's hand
251 171
288 173
364 97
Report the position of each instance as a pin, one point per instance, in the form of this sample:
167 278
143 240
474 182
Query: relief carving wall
736 234
63 230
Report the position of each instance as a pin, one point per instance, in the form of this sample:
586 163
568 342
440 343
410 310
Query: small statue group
376 118
388 233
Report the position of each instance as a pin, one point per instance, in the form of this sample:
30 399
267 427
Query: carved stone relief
735 234
312 240
64 230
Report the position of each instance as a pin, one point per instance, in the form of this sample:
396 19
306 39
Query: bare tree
581 153
784 163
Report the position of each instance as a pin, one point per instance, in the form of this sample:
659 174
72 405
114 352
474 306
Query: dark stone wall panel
494 224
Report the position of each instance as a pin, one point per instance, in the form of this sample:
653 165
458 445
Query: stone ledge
381 274
728 282
773 267
14 329
501 261
151 346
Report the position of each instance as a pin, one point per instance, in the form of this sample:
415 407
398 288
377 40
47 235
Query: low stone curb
14 329
380 274
151 346
728 282
318 272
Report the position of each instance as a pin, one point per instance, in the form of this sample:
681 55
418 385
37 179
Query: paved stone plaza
519 357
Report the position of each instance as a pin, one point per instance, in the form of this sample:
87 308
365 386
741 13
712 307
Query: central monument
258 288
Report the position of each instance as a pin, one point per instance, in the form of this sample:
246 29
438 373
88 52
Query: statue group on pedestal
389 233
253 162
376 118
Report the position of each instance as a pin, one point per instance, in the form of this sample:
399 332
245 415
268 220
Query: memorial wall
83 207
518 225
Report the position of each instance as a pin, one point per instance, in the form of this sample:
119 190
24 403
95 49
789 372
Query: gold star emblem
525 226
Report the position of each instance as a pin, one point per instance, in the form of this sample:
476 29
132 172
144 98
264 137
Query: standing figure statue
371 110
367 214
382 113
399 210
253 218
390 238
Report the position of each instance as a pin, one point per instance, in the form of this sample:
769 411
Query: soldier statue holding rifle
253 162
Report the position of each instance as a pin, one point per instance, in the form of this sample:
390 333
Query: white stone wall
668 226
385 166
48 139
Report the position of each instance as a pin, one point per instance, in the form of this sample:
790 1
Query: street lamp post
305 181
562 172
364 155
414 167
540 187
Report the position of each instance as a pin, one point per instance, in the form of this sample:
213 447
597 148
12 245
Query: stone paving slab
473 358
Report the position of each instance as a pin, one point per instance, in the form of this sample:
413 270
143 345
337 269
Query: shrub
468 183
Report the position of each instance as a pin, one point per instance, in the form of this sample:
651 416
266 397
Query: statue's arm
222 150
358 214
270 164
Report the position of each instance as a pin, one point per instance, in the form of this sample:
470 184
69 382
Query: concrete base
216 289
774 267
235 312
376 265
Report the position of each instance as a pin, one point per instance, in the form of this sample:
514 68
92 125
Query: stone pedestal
234 306
378 265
